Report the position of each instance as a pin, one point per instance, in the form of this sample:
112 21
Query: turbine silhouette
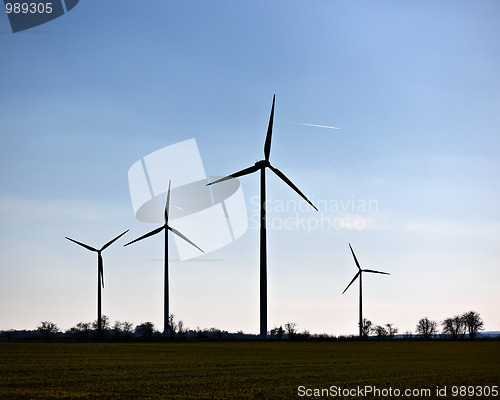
100 273
166 227
359 273
262 165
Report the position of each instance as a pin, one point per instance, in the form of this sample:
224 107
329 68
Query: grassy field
240 370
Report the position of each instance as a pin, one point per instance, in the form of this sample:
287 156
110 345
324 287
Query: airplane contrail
318 126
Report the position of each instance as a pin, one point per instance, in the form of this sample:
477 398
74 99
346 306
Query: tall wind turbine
262 165
360 273
166 227
100 273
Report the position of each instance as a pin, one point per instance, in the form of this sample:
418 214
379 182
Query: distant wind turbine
262 165
166 227
359 273
100 273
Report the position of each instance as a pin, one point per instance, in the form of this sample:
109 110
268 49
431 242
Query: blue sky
413 85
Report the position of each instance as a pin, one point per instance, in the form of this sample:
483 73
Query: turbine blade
183 237
245 171
375 272
167 204
114 240
353 279
157 230
100 269
82 244
289 183
267 145
355 259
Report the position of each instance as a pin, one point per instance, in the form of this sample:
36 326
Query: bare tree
117 329
146 329
181 331
291 329
391 330
82 330
127 329
48 329
172 326
407 335
105 324
367 328
278 332
426 327
201 333
381 332
216 333
454 326
473 323
305 335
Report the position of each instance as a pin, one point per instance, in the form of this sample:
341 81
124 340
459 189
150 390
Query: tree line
468 324
125 330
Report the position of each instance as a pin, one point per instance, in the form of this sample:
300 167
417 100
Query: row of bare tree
290 331
469 323
124 330
456 327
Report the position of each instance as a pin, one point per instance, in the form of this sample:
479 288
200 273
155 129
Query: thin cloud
315 125
178 260
58 207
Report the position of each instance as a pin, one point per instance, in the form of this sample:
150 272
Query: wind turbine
262 165
100 273
166 227
360 273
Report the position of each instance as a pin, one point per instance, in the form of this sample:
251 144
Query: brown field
244 370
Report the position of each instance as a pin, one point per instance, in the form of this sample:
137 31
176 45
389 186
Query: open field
240 370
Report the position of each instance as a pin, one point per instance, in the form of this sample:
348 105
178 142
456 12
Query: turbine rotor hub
262 164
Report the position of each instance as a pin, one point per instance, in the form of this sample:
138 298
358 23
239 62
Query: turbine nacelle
262 164
361 270
166 227
100 268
